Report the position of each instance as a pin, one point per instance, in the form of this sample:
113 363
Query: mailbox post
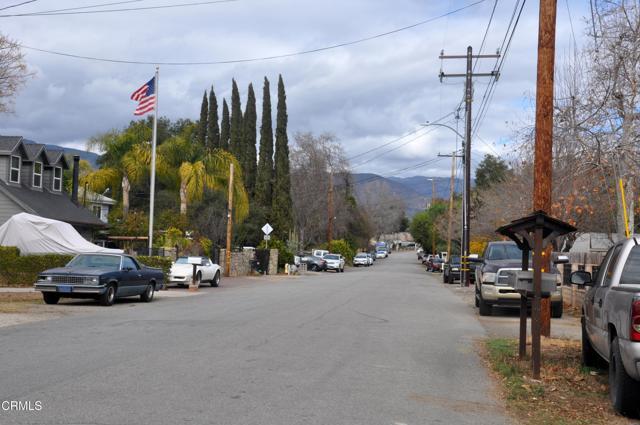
533 233
195 262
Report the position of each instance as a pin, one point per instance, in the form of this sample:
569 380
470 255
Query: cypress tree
236 140
213 131
202 124
250 123
281 211
265 163
225 126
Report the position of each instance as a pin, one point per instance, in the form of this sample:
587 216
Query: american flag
146 97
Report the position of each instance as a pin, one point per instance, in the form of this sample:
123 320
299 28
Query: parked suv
611 322
451 270
334 262
492 274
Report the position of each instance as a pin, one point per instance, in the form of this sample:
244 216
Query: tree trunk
126 187
183 198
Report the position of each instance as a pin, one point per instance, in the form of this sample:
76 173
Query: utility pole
433 222
468 98
330 209
227 260
540 311
451 196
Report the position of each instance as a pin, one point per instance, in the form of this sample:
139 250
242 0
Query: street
388 344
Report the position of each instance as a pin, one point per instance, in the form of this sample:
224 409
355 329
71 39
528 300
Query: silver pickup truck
611 322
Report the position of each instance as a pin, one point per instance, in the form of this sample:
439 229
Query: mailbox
522 281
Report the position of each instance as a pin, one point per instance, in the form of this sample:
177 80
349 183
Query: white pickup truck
611 322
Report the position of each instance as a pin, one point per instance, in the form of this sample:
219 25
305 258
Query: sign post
267 229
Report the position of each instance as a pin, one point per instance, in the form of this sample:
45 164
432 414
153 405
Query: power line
256 59
130 9
486 32
19 4
84 7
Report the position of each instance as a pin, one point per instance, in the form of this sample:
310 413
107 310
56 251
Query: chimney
76 173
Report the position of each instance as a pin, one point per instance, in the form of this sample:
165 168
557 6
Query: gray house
31 181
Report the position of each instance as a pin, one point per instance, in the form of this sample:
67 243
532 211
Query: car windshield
182 260
95 260
504 252
361 256
455 259
331 257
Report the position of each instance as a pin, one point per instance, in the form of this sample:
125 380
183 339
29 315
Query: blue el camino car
103 277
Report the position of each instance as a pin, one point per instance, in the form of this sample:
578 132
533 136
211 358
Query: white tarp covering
38 235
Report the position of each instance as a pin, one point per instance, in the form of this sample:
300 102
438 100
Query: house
31 180
99 204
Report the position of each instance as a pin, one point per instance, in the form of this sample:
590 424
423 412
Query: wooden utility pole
433 222
466 202
227 260
543 169
451 189
330 209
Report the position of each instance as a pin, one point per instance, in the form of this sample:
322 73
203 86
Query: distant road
385 345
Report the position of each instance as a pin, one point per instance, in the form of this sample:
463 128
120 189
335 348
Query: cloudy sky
367 94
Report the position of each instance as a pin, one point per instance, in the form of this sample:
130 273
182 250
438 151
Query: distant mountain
415 191
90 157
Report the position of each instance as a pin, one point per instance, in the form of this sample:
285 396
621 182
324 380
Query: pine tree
202 124
213 131
281 211
235 141
250 123
264 178
225 126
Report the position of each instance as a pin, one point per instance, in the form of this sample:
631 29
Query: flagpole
153 162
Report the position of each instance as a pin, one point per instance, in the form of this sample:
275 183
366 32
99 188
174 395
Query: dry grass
566 394
19 302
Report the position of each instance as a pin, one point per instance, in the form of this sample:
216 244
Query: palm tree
125 160
190 170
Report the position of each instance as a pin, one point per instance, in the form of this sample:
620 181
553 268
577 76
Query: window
631 271
14 173
37 174
611 266
57 179
128 263
97 210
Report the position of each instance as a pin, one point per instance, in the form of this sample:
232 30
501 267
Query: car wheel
147 295
485 309
556 310
590 358
623 390
108 297
451 279
215 282
444 278
50 298
198 279
314 268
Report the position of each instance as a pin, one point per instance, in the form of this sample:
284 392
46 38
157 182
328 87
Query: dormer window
57 179
14 172
37 174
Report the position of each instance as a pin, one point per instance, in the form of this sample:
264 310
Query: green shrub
285 256
344 248
163 263
23 270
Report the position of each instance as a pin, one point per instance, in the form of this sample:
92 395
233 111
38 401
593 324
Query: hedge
23 270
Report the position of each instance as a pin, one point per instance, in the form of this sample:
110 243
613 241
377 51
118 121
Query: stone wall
273 262
240 263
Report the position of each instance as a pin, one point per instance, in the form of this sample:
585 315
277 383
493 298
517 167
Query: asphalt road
381 345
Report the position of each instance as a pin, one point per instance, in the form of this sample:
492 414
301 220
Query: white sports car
182 270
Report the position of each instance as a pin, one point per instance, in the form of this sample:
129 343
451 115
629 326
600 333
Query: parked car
361 259
314 264
499 260
435 264
182 271
611 322
451 270
381 254
371 259
334 262
425 258
103 277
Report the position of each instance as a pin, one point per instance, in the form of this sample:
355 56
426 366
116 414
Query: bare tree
13 72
